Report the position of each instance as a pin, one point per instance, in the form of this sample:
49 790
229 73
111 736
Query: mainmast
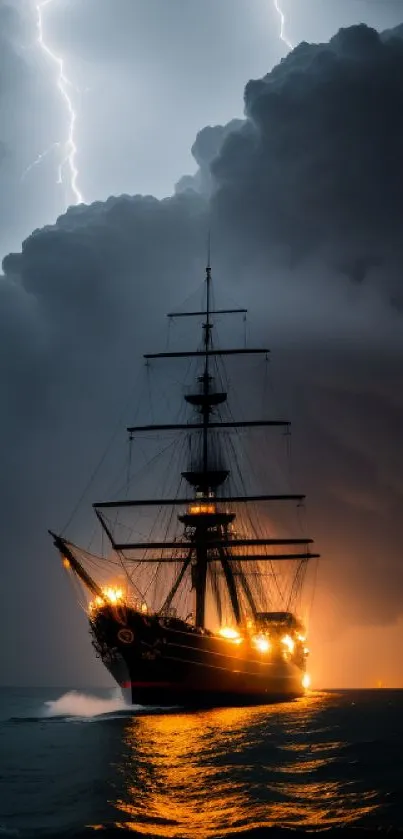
208 537
206 377
202 526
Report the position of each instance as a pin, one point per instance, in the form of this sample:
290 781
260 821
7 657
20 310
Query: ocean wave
283 831
75 704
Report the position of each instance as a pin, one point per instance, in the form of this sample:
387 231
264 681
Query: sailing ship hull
165 662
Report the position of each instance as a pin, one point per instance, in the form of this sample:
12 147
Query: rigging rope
103 458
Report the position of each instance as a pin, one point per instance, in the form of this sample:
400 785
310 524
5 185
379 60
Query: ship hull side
166 662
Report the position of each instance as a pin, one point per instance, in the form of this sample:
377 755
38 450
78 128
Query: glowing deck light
199 509
261 643
110 595
289 643
96 603
306 681
114 595
66 563
230 634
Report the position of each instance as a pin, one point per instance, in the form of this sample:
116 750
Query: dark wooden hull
165 662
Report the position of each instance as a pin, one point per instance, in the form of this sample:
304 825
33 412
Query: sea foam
75 704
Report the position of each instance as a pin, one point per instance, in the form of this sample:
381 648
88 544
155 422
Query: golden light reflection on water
220 771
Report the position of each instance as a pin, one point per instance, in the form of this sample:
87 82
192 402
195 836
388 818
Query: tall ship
195 598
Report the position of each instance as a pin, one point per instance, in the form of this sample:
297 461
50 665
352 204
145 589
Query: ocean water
70 762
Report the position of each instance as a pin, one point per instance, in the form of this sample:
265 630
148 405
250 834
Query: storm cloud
304 199
318 160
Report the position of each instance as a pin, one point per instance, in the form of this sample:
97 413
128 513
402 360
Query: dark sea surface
69 760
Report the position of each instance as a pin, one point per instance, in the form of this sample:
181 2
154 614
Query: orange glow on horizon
352 656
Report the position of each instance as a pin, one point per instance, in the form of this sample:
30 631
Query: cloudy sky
146 76
304 192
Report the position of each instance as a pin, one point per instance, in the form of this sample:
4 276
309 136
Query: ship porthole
126 636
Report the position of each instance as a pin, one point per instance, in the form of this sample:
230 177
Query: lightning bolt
63 84
39 159
281 15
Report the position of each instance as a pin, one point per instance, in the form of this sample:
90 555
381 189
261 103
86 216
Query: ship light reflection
202 775
172 760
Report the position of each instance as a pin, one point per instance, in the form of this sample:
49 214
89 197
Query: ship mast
207 534
207 331
200 568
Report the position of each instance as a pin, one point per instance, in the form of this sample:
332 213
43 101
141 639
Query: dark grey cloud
319 159
205 149
318 20
304 199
